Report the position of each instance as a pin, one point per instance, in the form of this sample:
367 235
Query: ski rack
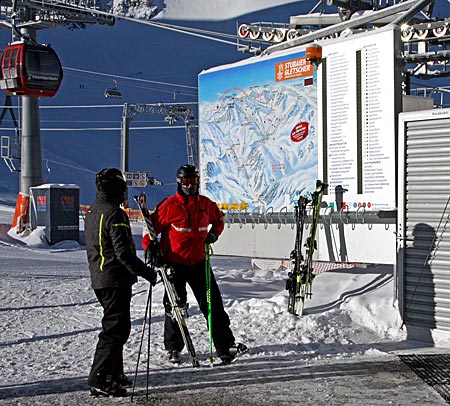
300 278
328 216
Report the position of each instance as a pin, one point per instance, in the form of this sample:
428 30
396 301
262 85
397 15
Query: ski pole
148 340
151 261
208 298
148 310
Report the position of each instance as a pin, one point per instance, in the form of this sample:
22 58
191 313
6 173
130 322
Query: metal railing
440 95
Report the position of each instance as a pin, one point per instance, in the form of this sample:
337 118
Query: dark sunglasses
190 181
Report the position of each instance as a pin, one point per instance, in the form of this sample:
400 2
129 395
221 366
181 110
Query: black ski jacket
110 247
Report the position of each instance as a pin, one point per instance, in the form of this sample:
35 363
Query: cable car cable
84 106
185 30
85 73
108 106
168 127
69 166
128 78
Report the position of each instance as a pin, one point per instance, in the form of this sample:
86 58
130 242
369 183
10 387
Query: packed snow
51 319
212 10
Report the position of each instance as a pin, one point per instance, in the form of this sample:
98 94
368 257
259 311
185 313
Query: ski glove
211 238
151 276
153 254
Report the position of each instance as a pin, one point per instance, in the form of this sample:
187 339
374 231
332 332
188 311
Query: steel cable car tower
173 113
31 71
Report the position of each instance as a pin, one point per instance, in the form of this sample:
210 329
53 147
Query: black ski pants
116 327
195 276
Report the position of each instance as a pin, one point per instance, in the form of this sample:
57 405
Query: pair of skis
299 282
178 309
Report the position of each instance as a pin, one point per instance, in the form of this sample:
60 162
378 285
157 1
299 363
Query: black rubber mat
434 369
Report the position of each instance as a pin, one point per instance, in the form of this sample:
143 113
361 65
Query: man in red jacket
187 221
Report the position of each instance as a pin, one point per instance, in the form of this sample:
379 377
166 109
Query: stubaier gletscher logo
292 69
300 131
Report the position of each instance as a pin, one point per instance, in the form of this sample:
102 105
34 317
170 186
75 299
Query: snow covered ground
341 352
212 9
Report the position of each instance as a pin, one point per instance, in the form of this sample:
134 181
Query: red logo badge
300 131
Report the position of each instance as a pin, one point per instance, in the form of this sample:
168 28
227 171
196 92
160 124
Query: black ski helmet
187 171
112 182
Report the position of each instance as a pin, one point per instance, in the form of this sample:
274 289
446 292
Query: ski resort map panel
258 132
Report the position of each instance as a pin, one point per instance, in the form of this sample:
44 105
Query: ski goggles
190 181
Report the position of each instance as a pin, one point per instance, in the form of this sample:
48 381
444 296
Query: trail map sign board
270 126
258 132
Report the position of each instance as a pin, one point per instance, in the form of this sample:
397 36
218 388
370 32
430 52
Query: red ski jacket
183 223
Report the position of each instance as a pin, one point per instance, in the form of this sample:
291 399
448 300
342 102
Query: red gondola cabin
30 70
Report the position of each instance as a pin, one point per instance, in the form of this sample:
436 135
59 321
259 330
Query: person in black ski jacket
114 267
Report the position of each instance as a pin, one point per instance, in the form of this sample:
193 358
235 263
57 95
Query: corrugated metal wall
425 226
